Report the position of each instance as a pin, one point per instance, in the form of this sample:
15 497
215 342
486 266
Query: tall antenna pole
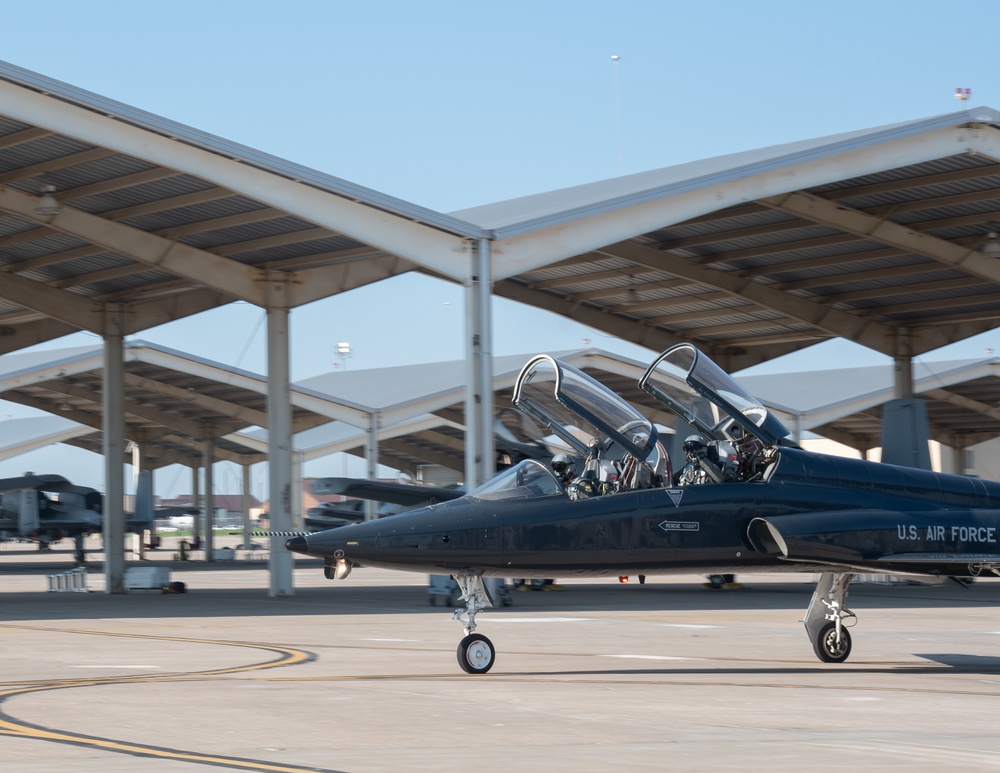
616 81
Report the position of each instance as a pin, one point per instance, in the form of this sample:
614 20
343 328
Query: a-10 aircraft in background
47 508
775 507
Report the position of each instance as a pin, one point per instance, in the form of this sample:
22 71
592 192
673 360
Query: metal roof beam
955 302
687 300
867 226
826 261
909 270
220 454
695 316
667 284
960 401
970 322
641 333
81 280
579 279
200 267
165 205
331 258
218 223
807 338
44 261
279 240
75 310
776 249
188 426
21 237
55 164
746 326
840 323
312 284
32 332
923 181
226 408
888 292
116 183
25 135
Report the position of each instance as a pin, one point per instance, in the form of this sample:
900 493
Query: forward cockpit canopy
581 410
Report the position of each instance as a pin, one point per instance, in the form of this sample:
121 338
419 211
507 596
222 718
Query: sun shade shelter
115 220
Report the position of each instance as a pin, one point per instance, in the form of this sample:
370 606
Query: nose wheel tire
826 646
476 654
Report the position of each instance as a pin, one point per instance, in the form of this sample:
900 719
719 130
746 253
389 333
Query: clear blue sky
454 104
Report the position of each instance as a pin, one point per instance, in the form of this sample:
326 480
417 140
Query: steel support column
371 457
207 460
279 434
480 458
199 517
246 506
113 426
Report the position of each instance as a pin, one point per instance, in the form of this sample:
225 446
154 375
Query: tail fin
143 517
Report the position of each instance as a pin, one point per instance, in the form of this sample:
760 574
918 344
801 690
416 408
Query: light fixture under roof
48 205
991 247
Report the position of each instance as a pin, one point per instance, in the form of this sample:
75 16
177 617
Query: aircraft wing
406 494
942 558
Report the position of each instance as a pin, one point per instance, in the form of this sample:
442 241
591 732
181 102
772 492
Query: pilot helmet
694 443
562 463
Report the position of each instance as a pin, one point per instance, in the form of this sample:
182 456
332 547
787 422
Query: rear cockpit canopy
706 397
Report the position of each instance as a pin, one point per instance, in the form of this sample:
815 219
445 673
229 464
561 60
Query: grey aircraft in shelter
761 505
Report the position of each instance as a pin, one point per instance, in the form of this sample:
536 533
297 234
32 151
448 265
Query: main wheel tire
476 654
826 646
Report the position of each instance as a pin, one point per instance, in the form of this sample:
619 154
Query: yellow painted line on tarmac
11 727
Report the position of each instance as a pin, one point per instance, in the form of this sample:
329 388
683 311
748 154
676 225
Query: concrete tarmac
361 676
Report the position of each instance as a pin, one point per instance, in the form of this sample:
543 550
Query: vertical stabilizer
905 434
27 512
142 518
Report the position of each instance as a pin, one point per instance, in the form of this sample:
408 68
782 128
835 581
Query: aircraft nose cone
298 545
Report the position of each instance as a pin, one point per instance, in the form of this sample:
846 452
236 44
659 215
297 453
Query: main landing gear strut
476 653
827 618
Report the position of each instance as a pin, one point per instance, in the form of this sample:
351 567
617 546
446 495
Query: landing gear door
579 409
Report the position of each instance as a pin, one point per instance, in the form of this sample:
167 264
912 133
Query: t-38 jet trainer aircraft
775 507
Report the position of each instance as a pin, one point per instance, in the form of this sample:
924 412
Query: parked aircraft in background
48 508
779 509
